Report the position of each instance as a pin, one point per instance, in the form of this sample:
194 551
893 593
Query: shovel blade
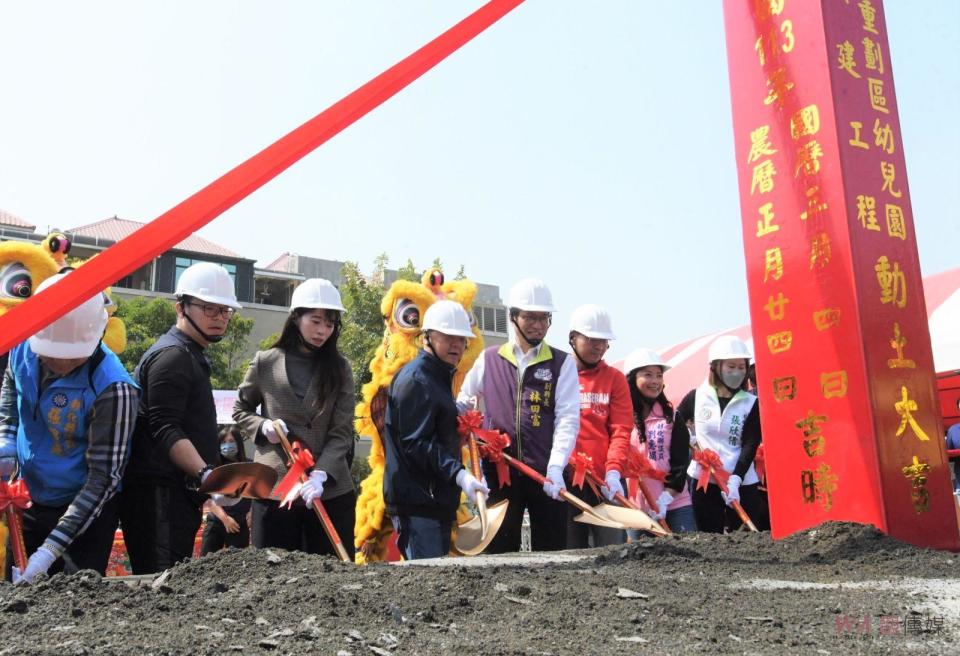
251 480
475 535
611 516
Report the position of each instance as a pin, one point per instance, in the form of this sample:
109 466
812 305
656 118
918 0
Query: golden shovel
474 535
250 480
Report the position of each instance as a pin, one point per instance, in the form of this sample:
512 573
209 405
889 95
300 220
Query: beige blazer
326 429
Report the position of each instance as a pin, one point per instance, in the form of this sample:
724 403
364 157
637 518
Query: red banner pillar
845 369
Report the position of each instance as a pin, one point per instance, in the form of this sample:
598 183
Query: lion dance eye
406 313
15 281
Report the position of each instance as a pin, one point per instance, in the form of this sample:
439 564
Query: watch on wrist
195 482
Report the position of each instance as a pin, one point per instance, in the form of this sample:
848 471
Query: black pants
548 518
160 524
582 536
298 528
89 550
714 515
215 536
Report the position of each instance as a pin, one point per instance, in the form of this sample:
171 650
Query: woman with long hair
227 526
655 434
304 384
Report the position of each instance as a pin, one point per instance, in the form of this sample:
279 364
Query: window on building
183 263
491 320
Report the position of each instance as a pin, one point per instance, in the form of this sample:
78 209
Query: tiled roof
8 219
116 229
283 264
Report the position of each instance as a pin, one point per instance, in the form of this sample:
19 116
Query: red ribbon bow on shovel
300 463
494 442
580 462
708 459
640 466
14 494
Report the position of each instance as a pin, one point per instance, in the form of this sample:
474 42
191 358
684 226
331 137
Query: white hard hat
75 334
592 321
728 347
316 294
449 318
208 282
643 357
530 294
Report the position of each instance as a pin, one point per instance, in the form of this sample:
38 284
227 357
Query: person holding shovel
306 385
423 474
605 422
726 423
69 407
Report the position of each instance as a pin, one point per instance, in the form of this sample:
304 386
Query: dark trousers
298 528
89 550
160 524
215 536
582 536
423 537
714 515
548 518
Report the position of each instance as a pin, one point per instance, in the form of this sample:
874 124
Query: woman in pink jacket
653 435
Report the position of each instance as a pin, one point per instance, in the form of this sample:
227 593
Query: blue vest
52 438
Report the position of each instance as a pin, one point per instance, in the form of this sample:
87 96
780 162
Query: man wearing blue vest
69 406
531 392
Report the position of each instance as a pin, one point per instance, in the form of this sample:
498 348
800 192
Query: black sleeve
679 455
416 428
169 383
749 442
686 408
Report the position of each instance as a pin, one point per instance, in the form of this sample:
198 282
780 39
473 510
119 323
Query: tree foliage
363 324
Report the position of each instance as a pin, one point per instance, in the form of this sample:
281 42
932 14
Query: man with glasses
177 442
531 392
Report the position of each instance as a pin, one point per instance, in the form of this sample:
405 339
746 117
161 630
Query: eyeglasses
211 311
535 318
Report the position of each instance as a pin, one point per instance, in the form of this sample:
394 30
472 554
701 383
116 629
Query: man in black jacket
423 475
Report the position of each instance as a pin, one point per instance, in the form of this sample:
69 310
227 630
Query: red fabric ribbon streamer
301 462
710 463
760 464
492 444
14 494
580 462
640 466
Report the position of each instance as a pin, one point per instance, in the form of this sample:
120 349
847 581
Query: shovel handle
540 478
474 456
744 517
318 508
15 528
627 503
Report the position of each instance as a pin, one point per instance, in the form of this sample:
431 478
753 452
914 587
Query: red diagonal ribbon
301 462
710 463
178 223
580 462
14 495
492 443
640 466
760 464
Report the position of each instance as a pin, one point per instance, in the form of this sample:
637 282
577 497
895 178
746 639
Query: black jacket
421 443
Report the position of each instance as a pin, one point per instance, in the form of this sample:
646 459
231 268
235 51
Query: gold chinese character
808 158
856 142
896 224
889 173
867 212
763 177
765 226
869 16
897 344
917 473
877 100
814 441
872 57
814 206
765 9
905 407
780 342
779 86
535 396
784 388
760 144
820 250
893 282
777 307
826 318
805 122
773 264
883 137
833 384
825 483
845 60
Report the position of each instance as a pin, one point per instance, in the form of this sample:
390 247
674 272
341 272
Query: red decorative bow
14 495
493 442
302 461
760 464
468 422
710 463
580 462
640 466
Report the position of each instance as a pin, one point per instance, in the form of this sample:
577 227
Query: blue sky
587 143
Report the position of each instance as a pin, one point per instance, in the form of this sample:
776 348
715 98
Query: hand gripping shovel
251 480
318 508
474 535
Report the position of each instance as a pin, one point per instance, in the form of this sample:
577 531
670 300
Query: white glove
39 563
221 500
554 484
471 486
612 485
313 487
663 502
270 432
733 490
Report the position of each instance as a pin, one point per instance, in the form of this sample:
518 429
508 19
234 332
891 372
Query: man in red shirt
606 420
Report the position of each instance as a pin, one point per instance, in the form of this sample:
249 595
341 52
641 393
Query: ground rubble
838 589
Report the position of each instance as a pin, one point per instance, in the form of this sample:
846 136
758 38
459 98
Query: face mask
733 379
228 450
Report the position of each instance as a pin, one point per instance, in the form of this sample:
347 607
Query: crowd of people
98 447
